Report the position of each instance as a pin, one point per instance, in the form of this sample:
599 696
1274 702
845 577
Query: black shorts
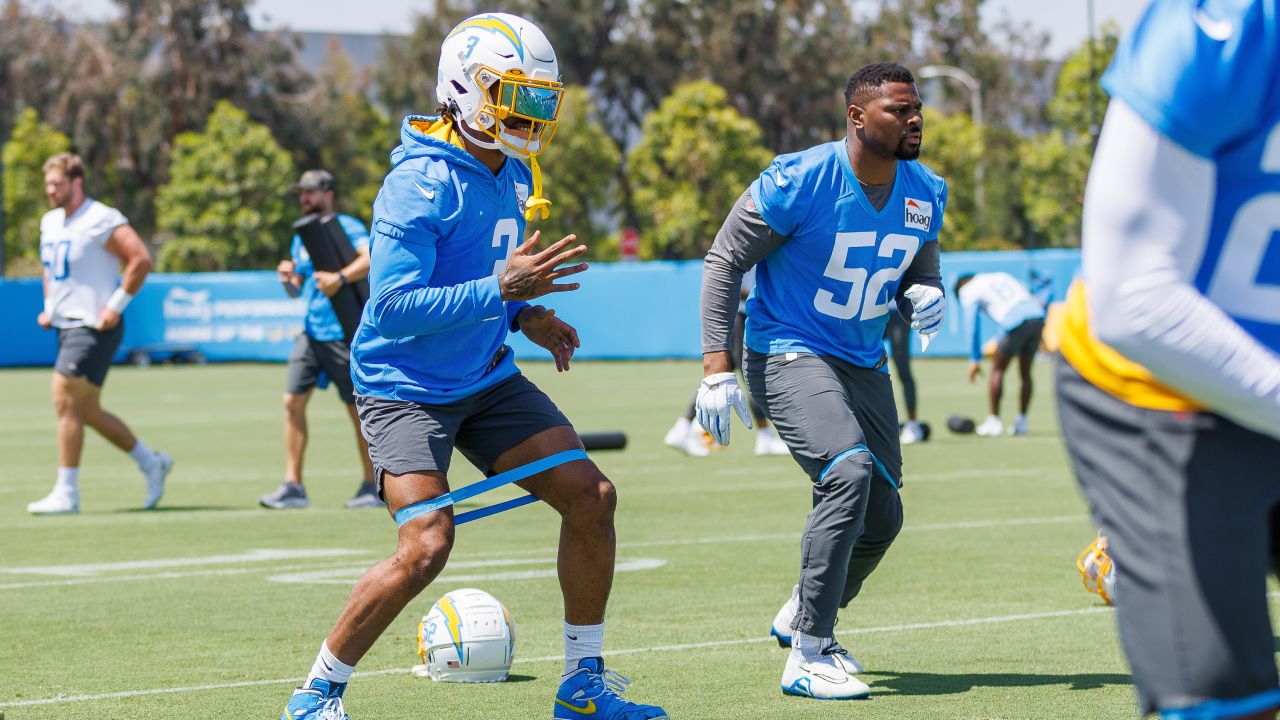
406 436
1022 341
1188 502
311 357
85 352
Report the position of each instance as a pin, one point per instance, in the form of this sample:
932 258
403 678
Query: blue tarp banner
623 310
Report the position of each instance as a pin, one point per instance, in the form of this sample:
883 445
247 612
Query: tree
953 147
355 138
225 207
24 154
578 169
696 157
1056 163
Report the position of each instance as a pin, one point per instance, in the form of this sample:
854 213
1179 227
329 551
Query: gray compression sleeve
744 240
925 269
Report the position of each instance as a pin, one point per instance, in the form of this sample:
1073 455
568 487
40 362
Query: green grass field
976 612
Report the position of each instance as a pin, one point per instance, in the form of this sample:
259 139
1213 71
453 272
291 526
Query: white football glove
928 308
716 394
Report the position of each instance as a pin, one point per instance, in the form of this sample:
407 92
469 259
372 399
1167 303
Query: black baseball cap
316 180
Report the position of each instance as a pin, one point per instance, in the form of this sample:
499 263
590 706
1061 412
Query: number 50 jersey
827 289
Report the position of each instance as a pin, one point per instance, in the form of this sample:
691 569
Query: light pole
975 112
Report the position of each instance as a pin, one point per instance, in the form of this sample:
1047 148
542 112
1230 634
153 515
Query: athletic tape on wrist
409 512
119 300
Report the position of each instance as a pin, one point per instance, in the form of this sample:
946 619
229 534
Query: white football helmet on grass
467 637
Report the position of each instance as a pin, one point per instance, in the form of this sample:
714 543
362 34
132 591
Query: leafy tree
1056 163
355 138
24 154
225 205
696 157
953 148
578 170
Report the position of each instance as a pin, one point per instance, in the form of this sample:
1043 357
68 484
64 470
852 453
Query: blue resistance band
409 512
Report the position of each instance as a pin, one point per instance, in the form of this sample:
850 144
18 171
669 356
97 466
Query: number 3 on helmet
499 77
467 637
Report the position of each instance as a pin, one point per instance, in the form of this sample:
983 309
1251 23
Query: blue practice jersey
827 289
1207 76
321 322
444 225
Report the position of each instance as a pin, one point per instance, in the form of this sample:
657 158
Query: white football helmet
1098 570
467 637
499 77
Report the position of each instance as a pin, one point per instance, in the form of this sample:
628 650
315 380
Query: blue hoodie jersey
444 225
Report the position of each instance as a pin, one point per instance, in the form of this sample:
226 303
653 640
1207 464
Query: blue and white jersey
1206 75
444 225
1005 300
322 322
827 289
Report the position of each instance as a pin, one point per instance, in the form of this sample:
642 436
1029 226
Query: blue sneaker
319 700
593 693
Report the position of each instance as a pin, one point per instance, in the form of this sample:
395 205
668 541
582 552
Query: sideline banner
641 310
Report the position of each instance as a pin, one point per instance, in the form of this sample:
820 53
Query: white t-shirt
80 273
1004 299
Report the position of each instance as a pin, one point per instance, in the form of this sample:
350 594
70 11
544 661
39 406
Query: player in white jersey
82 244
1169 389
1021 321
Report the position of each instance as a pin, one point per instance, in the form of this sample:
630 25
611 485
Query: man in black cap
321 353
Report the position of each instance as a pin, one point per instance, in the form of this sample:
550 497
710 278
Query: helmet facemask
521 113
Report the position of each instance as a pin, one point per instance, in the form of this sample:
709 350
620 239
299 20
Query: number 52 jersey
827 289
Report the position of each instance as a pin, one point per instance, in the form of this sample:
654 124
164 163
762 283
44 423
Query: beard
905 151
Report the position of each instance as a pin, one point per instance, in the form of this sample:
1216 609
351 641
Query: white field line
557 658
248 556
475 559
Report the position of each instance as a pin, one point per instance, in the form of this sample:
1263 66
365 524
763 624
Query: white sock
764 432
582 641
68 479
808 646
142 455
1022 418
682 425
328 667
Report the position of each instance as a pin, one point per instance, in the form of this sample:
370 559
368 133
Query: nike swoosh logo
587 709
571 637
428 194
1219 30
779 179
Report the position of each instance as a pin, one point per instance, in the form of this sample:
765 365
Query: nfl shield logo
522 195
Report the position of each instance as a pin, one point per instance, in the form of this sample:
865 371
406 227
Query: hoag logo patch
919 214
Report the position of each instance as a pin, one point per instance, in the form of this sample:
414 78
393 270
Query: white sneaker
155 474
781 630
768 443
911 433
687 437
991 427
820 679
1020 426
676 435
62 501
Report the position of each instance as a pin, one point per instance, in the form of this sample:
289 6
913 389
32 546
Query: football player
837 233
1021 320
82 244
449 279
1169 389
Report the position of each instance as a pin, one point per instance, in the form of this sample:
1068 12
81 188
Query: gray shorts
1022 341
1189 504
822 406
311 357
405 436
85 352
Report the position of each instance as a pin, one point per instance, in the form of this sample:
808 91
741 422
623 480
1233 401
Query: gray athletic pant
841 425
